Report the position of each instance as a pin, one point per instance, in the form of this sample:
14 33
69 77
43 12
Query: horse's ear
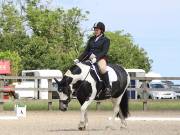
56 81
62 82
58 84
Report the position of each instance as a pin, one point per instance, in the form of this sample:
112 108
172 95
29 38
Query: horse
83 79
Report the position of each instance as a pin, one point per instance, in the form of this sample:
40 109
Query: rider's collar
96 38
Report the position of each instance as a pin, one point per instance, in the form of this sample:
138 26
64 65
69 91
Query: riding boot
105 78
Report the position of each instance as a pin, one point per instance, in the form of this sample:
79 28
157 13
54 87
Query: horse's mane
75 69
86 63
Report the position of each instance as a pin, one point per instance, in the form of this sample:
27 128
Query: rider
96 50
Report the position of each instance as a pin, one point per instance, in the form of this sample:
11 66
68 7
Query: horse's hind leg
115 111
120 115
123 121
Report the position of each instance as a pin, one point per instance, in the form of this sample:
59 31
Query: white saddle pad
112 74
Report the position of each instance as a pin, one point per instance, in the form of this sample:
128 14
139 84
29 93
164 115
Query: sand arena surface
66 123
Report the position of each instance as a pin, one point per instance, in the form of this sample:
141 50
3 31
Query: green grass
43 105
106 105
164 105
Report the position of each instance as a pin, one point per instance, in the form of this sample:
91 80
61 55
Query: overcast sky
154 25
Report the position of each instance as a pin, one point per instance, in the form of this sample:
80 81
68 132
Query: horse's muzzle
63 106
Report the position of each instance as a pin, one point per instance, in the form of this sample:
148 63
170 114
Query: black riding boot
105 78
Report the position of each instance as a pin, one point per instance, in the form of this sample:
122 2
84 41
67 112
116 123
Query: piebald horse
83 79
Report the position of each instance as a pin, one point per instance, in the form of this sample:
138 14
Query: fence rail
145 89
26 77
154 78
132 78
50 89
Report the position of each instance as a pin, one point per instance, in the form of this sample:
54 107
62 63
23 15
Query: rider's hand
76 61
93 60
92 56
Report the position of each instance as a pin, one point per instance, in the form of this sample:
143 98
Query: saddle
114 77
96 74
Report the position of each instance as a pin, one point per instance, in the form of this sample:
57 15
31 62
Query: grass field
105 105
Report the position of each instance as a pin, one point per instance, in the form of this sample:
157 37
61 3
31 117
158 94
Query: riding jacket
98 47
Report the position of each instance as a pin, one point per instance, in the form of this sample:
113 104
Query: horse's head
64 92
65 88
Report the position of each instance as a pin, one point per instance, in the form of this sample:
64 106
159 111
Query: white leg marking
83 121
86 119
115 111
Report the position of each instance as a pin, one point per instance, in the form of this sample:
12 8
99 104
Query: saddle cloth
112 74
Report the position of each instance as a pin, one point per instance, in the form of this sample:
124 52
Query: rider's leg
102 66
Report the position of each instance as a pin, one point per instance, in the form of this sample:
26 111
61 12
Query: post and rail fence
144 80
145 89
49 89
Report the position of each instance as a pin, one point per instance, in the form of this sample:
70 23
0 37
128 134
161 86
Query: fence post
1 94
38 92
49 94
144 95
97 105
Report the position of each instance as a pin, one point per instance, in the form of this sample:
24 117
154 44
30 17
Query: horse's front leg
84 119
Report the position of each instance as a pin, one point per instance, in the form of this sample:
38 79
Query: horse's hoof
109 128
82 128
123 126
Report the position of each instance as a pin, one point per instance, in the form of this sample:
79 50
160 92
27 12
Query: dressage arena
66 123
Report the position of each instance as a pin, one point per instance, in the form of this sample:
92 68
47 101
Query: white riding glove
93 60
92 56
76 61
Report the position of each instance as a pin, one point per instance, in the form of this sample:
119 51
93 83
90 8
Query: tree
59 29
10 20
123 51
54 37
34 54
12 32
51 35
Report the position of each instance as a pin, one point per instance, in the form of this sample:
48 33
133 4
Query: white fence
49 89
145 80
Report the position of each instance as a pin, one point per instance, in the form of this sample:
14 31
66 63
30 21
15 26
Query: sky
154 25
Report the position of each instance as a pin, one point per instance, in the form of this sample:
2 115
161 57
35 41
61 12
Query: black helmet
100 25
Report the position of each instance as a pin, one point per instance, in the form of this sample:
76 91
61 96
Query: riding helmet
99 25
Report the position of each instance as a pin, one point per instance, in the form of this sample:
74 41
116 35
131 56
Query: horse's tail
123 106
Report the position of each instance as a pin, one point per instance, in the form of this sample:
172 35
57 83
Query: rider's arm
85 54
